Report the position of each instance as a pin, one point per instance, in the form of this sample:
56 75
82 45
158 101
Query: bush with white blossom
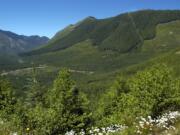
163 123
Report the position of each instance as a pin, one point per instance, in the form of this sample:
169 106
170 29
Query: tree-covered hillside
123 33
146 103
111 44
95 68
12 43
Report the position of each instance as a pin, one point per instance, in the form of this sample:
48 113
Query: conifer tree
34 93
7 98
70 104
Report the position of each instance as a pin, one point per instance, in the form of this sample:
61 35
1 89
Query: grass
167 38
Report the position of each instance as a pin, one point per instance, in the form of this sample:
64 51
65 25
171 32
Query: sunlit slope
167 38
165 48
84 56
87 57
124 33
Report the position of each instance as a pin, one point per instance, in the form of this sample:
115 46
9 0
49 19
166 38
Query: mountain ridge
122 33
11 42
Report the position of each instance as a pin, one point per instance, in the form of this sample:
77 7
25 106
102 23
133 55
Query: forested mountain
123 33
111 44
99 48
12 43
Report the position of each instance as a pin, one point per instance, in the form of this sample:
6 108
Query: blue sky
46 17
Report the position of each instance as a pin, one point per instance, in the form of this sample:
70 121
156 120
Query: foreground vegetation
64 108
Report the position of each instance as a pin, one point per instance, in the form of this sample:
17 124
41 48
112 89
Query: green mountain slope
129 43
159 44
123 33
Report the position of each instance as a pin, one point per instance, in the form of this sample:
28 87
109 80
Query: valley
104 67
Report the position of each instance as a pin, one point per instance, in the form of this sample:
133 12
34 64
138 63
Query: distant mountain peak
91 17
11 42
